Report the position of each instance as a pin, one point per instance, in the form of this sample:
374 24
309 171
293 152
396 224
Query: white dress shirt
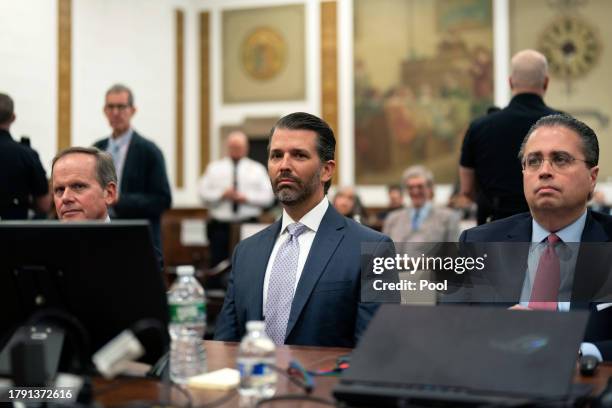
311 220
253 182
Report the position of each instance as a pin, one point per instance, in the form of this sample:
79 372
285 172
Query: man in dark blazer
489 171
560 158
322 306
144 191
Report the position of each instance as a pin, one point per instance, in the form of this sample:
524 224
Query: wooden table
223 354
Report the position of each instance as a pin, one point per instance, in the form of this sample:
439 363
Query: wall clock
572 46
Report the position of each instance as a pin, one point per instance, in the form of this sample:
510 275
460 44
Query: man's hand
518 307
228 194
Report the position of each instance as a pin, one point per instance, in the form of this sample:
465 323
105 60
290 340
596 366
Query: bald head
529 73
237 145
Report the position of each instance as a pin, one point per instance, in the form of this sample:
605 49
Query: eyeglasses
119 106
559 161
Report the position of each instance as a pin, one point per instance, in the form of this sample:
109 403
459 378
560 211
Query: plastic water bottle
255 356
187 326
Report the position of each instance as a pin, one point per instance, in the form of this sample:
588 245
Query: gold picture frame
264 54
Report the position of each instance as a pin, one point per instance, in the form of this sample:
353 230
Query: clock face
571 45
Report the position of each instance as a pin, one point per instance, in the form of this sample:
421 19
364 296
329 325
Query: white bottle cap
185 270
256 325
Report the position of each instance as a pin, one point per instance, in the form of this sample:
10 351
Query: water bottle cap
255 325
185 270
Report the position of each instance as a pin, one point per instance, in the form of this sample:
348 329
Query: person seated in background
598 203
84 184
23 182
347 203
396 201
422 222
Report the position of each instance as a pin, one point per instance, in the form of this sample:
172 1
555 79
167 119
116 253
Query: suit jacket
326 308
145 191
440 225
592 278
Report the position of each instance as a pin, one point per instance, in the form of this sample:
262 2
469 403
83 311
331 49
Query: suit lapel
508 277
259 263
327 239
592 265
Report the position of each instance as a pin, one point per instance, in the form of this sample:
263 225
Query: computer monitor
106 275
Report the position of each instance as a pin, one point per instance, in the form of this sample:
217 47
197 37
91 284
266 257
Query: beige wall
590 95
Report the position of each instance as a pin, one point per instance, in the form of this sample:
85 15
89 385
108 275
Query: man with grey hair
489 171
422 222
143 188
23 182
84 184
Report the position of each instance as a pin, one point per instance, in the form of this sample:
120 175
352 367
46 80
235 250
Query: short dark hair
326 142
105 168
118 88
590 145
6 108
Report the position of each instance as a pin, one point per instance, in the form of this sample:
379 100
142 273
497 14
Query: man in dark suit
144 191
560 158
489 171
303 272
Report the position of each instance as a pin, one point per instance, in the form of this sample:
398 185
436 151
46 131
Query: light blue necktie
281 286
116 153
415 219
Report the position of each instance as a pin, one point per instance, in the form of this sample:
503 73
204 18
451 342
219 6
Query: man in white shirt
302 274
234 189
84 184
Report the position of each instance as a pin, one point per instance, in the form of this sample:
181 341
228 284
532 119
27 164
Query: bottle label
187 312
253 369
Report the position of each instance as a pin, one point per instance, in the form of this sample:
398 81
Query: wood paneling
204 90
179 16
329 71
64 73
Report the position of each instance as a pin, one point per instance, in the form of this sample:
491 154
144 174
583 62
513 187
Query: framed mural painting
263 54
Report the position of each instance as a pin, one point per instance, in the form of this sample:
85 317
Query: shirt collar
571 233
312 219
107 219
121 140
424 210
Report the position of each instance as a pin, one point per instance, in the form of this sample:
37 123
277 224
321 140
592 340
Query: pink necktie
545 291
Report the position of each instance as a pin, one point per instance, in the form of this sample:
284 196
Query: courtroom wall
28 72
581 84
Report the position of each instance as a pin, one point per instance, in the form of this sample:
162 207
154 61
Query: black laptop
464 356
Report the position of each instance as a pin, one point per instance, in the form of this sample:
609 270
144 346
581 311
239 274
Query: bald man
489 170
234 189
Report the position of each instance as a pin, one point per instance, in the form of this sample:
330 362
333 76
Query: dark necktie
235 185
545 291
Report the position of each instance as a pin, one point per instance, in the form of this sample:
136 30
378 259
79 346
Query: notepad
224 379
